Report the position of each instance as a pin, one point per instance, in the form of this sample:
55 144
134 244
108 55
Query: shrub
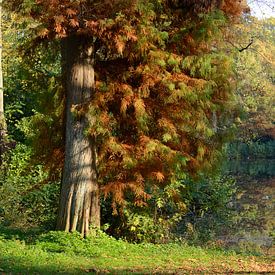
188 210
154 222
27 198
209 213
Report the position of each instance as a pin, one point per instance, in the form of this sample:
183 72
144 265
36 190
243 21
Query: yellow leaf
159 176
71 12
43 33
74 23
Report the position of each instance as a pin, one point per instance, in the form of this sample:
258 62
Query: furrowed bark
79 203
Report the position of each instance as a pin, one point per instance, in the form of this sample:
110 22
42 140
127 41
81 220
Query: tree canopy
255 86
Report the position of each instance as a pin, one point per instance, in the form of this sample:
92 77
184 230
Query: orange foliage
152 115
235 8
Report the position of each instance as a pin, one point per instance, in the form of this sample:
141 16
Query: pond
254 202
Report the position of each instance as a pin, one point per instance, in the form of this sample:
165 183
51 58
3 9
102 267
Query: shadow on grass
18 265
28 236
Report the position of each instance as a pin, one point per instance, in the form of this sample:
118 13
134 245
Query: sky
262 8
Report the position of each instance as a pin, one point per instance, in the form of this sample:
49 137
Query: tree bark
79 203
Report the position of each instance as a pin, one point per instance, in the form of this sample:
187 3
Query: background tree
2 116
253 45
33 112
256 90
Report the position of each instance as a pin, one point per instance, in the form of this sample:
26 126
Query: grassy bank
60 253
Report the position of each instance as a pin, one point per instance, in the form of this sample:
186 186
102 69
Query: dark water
259 169
254 201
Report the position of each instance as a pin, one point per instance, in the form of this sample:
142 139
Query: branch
247 46
244 48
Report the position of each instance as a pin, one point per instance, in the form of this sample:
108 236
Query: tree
33 113
255 75
141 79
2 117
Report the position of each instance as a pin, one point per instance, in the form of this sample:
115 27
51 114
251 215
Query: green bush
144 227
154 222
209 213
189 210
27 198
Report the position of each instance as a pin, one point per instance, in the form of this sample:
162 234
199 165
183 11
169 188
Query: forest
137 137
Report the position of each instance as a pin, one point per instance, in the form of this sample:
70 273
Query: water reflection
255 168
254 202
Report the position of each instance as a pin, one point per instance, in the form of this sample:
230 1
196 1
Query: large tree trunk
79 203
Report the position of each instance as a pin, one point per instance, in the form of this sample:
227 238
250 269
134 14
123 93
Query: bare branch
247 46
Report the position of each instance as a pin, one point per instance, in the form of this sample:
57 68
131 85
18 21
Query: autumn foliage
161 78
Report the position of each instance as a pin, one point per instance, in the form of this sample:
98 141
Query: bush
209 212
151 223
27 198
188 210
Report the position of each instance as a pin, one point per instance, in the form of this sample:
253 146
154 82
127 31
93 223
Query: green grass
63 253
